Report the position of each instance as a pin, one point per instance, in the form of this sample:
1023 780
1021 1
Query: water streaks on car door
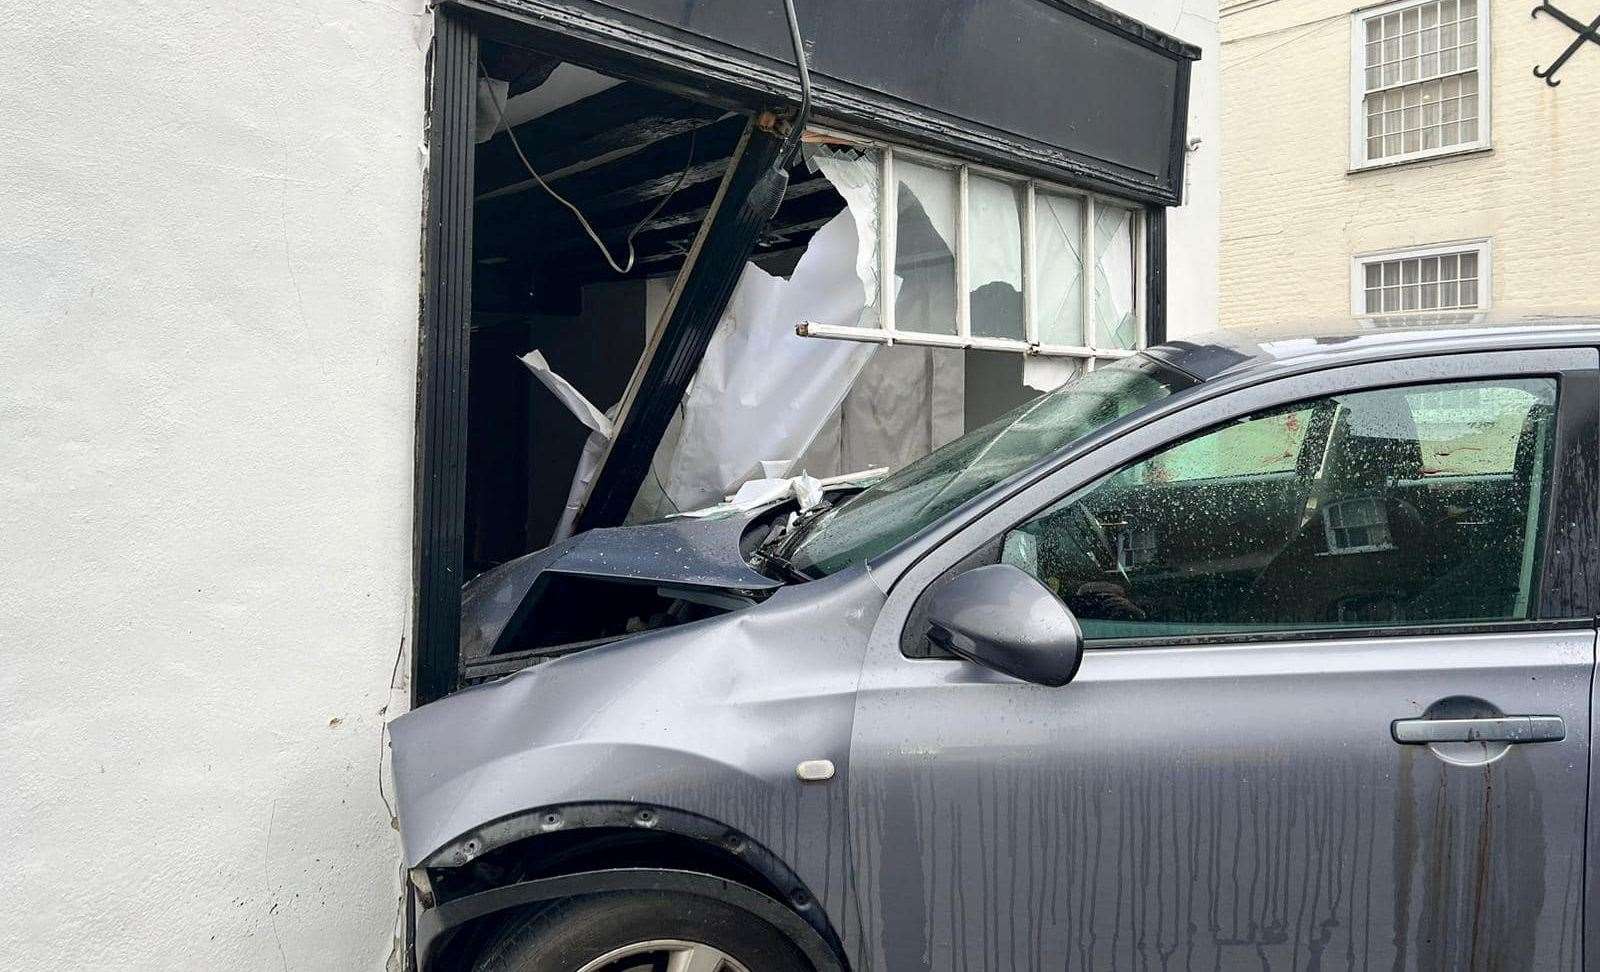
1264 859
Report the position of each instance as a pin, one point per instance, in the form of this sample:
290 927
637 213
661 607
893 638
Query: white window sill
1461 317
1440 155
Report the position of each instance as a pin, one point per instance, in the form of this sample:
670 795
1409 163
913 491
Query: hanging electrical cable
791 144
624 268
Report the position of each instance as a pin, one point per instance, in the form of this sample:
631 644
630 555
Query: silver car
1257 651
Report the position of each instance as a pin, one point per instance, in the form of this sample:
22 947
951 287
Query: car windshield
905 502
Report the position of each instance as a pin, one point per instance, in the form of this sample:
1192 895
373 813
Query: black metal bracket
1587 33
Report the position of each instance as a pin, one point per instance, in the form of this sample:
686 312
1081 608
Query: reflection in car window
905 502
1468 431
1401 506
1258 448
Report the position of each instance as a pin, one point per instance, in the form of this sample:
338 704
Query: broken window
963 256
942 349
590 192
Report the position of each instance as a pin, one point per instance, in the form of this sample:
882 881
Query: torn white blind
762 392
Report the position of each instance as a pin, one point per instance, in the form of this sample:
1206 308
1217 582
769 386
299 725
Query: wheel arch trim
433 925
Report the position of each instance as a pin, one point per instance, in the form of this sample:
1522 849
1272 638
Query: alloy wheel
665 955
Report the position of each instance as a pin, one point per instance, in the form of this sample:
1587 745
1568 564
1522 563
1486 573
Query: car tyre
634 931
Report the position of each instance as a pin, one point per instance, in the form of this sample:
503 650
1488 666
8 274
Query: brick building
1404 159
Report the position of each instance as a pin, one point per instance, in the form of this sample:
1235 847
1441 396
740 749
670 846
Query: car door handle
1511 729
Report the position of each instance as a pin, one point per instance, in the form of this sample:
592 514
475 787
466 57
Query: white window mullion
1140 282
963 226
1030 322
888 198
1091 336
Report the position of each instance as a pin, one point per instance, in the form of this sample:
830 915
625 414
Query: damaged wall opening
642 161
645 331
559 324
644 166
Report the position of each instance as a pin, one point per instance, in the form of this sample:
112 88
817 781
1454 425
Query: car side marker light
814 770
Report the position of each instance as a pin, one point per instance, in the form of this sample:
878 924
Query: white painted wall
1193 229
209 262
209 258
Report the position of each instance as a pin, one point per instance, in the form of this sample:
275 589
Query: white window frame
1484 248
1358 90
888 209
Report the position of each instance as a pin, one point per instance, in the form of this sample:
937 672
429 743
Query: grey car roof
1267 347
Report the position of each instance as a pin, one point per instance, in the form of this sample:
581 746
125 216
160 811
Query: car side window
1400 506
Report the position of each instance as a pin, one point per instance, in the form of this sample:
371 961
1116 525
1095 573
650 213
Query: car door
1360 737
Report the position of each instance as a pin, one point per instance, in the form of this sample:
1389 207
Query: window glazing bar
962 243
1091 336
1030 321
1141 329
844 332
888 196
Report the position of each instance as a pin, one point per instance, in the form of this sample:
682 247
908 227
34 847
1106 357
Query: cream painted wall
1294 215
210 264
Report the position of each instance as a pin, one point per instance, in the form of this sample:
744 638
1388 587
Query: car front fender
712 719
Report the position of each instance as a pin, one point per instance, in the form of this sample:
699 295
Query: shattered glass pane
994 257
924 249
1115 324
857 173
1058 268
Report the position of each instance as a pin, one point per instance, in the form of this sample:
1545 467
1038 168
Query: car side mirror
1002 618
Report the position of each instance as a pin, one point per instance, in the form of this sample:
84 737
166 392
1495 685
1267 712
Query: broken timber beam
750 194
